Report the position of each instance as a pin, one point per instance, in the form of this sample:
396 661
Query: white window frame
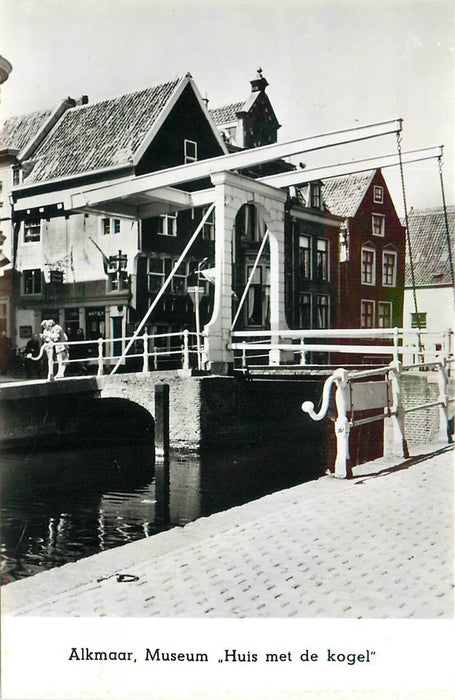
326 306
382 304
378 194
208 229
110 225
367 301
368 248
38 276
326 273
29 231
189 157
307 255
420 316
381 218
167 225
302 296
162 274
180 275
388 251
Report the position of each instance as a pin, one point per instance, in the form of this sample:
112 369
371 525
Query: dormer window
315 196
190 151
378 194
16 176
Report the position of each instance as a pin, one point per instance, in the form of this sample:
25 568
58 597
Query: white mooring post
145 353
100 357
342 424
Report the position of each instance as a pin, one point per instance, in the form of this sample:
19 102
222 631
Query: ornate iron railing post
186 350
444 430
342 424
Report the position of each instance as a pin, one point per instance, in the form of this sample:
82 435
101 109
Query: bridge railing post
186 350
395 444
100 357
342 425
145 353
302 352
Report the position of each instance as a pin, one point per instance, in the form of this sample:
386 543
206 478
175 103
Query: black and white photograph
226 349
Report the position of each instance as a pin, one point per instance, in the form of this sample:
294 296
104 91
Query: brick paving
377 546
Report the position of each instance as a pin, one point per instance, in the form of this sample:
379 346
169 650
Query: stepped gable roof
100 135
430 255
226 114
343 195
16 132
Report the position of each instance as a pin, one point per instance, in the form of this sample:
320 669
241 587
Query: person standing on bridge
54 336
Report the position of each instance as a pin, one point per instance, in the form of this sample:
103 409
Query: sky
330 64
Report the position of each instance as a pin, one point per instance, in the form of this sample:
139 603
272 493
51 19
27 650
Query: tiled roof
430 255
16 132
228 113
342 195
100 135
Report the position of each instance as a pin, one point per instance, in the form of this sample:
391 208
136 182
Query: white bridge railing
154 351
352 397
304 347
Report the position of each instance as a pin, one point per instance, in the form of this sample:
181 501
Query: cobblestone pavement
377 546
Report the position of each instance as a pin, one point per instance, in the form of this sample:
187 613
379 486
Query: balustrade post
395 444
186 351
243 358
100 357
444 433
302 352
145 353
396 339
155 358
342 425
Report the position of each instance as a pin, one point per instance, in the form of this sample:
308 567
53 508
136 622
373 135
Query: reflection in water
61 506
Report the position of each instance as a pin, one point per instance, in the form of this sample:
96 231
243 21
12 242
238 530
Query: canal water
61 506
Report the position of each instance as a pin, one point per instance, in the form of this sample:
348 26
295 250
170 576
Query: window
322 267
419 320
385 314
179 280
157 271
190 151
258 299
32 231
315 196
250 226
305 310
16 176
4 316
167 224
322 311
110 226
389 268
366 314
378 225
368 265
305 256
32 281
378 194
208 230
